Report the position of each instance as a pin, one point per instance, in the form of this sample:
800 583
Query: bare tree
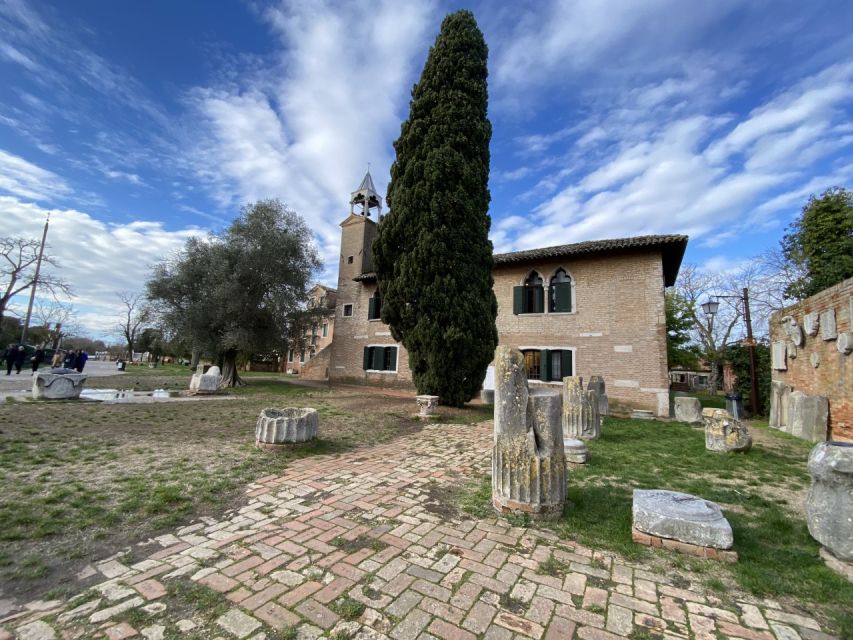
712 332
135 318
18 258
58 318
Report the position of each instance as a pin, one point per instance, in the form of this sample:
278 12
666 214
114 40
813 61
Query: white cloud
305 129
22 178
96 258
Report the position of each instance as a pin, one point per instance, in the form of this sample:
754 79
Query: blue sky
139 124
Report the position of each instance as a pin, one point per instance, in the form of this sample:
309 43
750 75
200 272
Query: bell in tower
366 197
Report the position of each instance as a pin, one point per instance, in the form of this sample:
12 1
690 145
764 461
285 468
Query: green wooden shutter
539 300
391 358
365 362
562 296
378 359
566 363
518 300
371 309
545 365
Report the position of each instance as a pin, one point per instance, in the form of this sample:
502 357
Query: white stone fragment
828 330
811 323
680 516
57 386
238 623
286 426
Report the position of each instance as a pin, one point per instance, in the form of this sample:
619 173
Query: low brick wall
833 375
317 368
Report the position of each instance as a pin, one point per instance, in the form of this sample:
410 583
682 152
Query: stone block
725 433
682 517
580 410
844 343
575 450
688 410
808 416
206 383
779 397
793 330
276 427
828 329
528 462
426 405
829 505
778 353
811 323
57 384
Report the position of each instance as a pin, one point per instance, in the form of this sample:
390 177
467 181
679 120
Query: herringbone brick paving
366 525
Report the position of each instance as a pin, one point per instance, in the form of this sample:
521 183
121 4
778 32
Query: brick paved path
366 526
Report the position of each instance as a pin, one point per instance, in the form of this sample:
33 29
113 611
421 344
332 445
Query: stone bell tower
358 232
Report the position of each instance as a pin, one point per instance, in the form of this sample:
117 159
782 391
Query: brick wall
617 327
833 377
354 333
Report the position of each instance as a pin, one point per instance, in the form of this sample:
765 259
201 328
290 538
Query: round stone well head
291 425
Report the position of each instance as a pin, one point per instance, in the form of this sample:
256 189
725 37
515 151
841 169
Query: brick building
590 308
821 364
315 335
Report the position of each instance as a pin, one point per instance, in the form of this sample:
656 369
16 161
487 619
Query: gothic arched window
560 293
530 297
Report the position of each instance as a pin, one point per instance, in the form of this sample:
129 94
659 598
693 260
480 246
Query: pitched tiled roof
672 248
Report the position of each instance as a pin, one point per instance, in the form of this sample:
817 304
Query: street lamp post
711 308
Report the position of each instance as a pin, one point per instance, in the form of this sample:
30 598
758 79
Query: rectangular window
533 363
374 308
325 329
302 356
561 297
380 358
290 355
347 311
528 300
548 365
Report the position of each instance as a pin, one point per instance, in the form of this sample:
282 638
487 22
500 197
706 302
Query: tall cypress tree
432 255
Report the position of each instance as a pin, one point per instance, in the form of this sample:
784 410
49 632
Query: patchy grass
553 567
85 479
761 492
348 608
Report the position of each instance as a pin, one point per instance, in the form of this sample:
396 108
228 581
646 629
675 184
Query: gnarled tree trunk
230 377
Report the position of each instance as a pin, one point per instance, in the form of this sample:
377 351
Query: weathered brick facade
616 329
315 339
833 377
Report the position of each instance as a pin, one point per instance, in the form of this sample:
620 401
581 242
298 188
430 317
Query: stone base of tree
839 566
284 446
724 555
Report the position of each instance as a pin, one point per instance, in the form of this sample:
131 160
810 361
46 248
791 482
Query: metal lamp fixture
710 307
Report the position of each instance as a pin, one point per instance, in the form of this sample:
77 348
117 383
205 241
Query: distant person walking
38 358
80 360
19 358
9 356
57 359
68 361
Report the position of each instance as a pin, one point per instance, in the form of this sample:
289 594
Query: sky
140 124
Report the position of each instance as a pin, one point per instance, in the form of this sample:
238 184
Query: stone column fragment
596 383
528 461
581 419
779 394
829 505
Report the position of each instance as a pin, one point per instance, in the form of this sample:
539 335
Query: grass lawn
761 493
83 480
